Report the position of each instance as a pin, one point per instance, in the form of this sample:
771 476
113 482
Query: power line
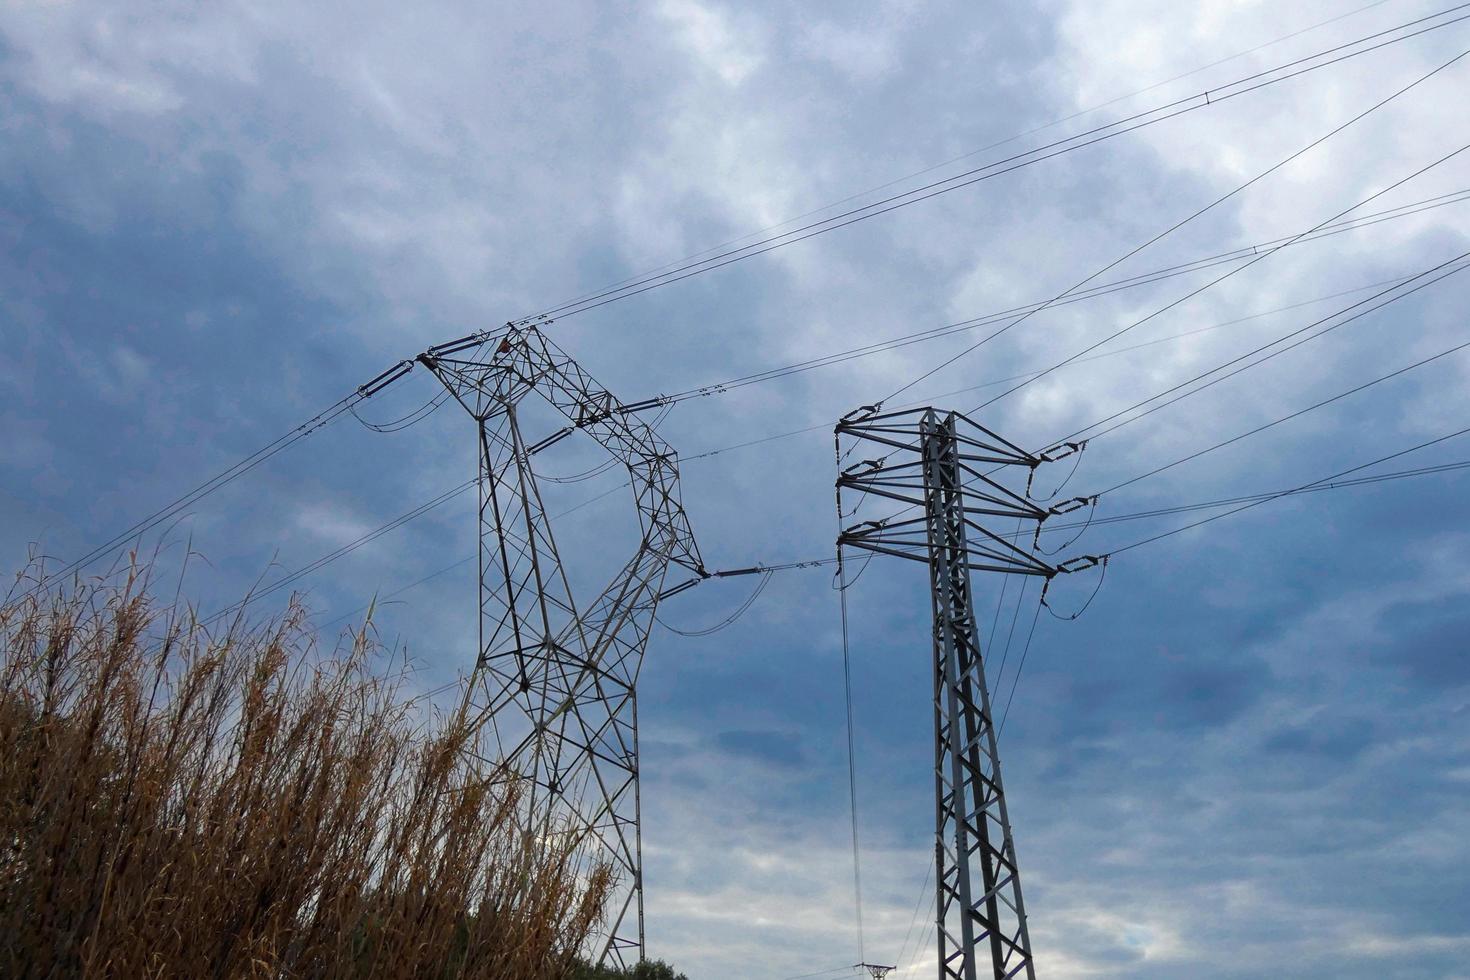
406 421
1259 497
820 973
1267 254
965 156
1093 347
350 402
1104 289
455 491
929 927
1011 635
857 874
1128 124
219 480
1401 295
346 549
740 610
914 919
404 519
1287 418
1263 496
1300 412
1452 266
1170 230
827 426
1299 489
1016 680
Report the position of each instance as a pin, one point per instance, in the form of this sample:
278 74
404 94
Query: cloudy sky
1249 757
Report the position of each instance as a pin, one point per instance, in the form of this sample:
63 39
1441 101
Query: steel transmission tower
940 463
553 692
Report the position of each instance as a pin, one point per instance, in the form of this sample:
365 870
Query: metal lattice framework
554 687
941 464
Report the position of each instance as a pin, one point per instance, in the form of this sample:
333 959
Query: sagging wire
836 577
602 467
729 620
584 476
1091 504
411 419
1073 449
1102 561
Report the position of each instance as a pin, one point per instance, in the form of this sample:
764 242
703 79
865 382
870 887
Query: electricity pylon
941 465
553 692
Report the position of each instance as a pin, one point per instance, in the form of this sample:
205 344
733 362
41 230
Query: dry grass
181 802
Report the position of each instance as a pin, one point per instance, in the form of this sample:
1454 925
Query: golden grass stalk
181 801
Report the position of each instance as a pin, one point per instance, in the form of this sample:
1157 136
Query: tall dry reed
177 801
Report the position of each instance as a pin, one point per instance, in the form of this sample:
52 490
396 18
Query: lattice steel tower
939 464
554 687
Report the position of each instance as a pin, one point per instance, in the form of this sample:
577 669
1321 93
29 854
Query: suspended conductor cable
1102 289
1030 635
929 926
399 591
857 873
1011 635
420 511
914 920
1119 127
965 156
1395 282
1451 467
1005 583
346 549
1263 256
1216 281
1430 276
1102 575
1287 418
1081 526
219 480
1294 490
1266 496
838 586
1443 270
407 421
729 620
820 973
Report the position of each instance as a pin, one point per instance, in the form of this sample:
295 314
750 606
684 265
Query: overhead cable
1238 189
1286 418
965 156
1094 292
1334 477
729 620
1394 293
1273 250
219 480
827 426
1318 486
1204 99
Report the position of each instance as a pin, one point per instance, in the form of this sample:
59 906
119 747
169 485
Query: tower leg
980 913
